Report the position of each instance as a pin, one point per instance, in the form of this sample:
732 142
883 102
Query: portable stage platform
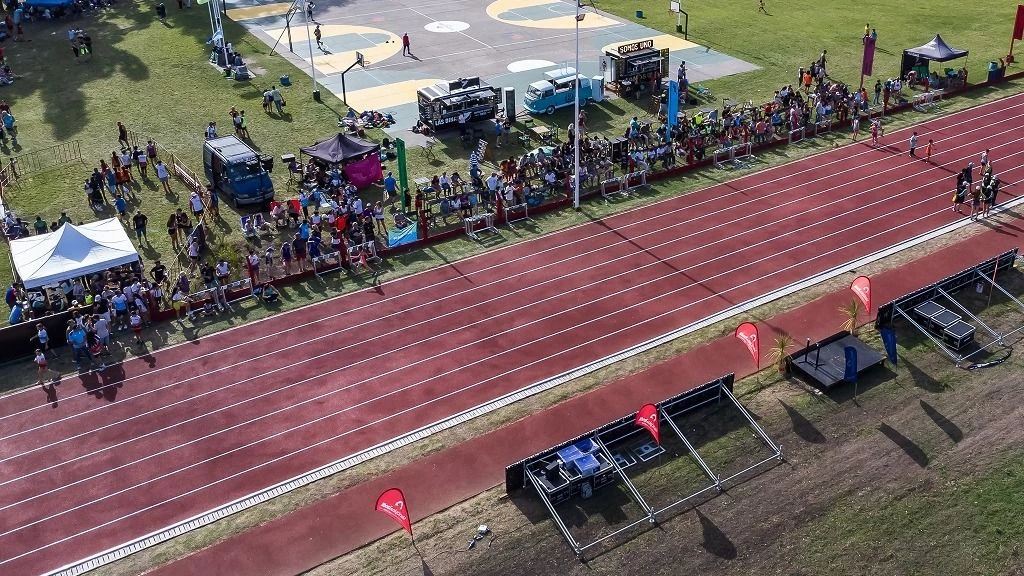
935 313
825 362
579 467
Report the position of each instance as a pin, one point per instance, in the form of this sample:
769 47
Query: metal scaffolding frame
985 271
525 472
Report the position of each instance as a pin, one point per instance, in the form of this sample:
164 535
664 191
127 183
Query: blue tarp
47 3
399 236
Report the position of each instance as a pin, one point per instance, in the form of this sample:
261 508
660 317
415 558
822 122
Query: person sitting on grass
269 294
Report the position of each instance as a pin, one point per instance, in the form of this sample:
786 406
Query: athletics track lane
448 335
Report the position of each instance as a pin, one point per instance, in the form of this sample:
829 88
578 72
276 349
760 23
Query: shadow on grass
945 424
803 427
906 444
715 541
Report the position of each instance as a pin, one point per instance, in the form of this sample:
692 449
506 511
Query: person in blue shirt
17 314
304 230
111 182
121 206
390 185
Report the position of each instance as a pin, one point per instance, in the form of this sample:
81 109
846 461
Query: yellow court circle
258 11
388 95
498 7
339 61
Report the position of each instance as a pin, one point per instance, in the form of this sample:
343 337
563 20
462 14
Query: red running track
210 421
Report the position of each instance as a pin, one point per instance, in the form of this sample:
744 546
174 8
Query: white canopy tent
71 251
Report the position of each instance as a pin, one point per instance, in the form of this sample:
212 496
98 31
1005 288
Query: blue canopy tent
934 51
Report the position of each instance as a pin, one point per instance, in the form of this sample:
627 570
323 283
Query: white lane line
543 319
458 391
559 247
673 240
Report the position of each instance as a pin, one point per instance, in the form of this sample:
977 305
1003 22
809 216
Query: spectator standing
136 322
252 260
299 250
286 257
122 130
43 337
278 100
211 131
139 222
316 34
78 339
142 162
101 328
121 205
164 175
406 47
172 231
196 203
913 144
984 159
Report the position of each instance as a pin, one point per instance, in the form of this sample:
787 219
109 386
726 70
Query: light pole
309 41
576 117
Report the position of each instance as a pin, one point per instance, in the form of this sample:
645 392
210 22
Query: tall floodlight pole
309 41
576 117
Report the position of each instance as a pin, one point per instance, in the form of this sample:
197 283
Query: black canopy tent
934 51
340 149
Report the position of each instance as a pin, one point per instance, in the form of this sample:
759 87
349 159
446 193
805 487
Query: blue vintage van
557 91
235 169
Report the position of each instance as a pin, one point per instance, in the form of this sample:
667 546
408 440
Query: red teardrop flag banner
861 287
647 418
747 333
392 503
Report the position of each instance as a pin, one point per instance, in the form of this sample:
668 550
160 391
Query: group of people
983 195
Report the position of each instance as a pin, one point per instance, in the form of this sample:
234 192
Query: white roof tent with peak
71 251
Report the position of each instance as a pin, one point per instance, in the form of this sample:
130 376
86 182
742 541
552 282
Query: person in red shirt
406 50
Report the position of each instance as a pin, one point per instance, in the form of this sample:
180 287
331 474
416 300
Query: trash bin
639 13
286 81
996 75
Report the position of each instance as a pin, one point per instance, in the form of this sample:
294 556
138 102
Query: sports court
505 43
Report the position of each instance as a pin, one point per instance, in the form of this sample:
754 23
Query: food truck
557 91
442 104
631 66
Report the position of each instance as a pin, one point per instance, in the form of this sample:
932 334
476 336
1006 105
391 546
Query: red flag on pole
747 333
867 64
647 418
862 289
392 503
1018 24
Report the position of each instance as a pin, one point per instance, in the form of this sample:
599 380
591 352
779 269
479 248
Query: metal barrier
516 213
922 102
632 180
471 223
362 254
8 175
619 189
721 156
56 155
823 126
799 133
328 262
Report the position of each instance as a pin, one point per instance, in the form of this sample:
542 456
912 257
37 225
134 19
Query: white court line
459 368
203 519
801 199
462 32
542 319
488 268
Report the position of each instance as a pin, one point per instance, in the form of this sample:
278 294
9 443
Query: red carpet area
181 431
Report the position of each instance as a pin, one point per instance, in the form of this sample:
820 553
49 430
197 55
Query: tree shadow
906 444
715 541
803 427
945 424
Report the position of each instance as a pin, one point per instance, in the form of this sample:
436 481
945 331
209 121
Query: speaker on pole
509 97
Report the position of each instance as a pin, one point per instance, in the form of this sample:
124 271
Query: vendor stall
916 59
359 159
442 104
632 67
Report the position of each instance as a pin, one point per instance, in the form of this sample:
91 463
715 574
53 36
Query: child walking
43 368
928 152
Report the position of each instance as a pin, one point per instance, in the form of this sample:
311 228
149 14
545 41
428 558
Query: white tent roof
71 251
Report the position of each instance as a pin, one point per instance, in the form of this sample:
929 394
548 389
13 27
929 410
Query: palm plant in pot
779 353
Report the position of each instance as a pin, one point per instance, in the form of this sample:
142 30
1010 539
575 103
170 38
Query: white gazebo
71 251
